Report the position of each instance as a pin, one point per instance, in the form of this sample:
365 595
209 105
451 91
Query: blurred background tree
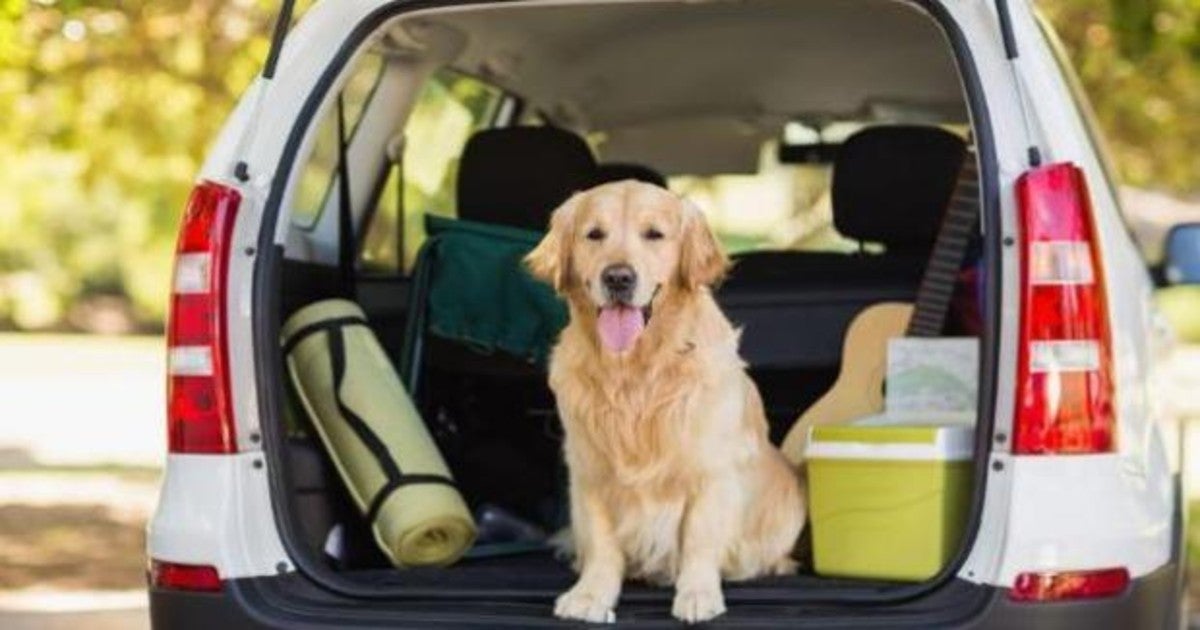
1139 61
108 106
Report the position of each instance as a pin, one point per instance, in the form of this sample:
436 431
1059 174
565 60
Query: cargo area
826 142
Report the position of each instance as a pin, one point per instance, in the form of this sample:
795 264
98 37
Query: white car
371 114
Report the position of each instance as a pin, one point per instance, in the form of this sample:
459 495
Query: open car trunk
865 62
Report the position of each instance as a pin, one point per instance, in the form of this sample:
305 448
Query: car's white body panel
216 510
1076 512
1040 513
1088 512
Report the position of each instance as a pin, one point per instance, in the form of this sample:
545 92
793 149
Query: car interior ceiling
492 415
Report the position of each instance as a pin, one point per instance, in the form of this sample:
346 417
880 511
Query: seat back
517 176
618 171
891 185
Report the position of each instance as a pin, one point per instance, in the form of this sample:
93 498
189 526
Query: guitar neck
936 289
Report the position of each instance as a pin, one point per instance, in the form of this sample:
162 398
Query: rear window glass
317 176
782 206
449 109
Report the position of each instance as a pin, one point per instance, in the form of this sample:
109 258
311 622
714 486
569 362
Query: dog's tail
563 544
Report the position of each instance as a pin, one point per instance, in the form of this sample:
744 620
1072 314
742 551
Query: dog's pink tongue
619 327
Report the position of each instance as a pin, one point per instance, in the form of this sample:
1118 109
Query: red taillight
1046 587
199 409
184 577
1064 388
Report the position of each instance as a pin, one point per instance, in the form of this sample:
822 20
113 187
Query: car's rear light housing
199 406
1064 399
1068 585
184 577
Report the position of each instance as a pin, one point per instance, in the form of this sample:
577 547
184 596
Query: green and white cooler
887 502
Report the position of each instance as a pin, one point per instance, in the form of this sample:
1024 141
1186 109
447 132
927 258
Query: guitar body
858 390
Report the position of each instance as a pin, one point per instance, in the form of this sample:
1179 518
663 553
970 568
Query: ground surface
81 443
73 548
74 530
81 400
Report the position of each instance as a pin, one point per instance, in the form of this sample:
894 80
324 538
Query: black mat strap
391 470
304 332
403 480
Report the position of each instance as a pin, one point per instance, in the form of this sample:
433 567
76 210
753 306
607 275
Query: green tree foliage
108 107
1139 61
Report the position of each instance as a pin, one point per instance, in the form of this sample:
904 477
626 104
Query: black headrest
518 175
617 171
891 185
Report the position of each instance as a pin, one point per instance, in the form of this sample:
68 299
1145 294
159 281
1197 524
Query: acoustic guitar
858 390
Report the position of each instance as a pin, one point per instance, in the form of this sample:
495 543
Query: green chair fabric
476 291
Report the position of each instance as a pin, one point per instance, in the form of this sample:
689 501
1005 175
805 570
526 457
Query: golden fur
673 478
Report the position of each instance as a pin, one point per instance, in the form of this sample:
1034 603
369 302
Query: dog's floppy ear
702 262
550 261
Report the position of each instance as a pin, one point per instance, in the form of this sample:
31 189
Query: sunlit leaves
1140 63
108 107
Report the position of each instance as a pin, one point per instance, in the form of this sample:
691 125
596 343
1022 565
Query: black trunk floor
540 574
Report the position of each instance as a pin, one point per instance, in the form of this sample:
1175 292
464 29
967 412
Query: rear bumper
1152 601
1155 600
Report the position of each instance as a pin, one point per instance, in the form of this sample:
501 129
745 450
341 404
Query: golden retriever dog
673 479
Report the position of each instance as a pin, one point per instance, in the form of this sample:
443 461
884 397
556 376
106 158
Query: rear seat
618 171
517 176
890 186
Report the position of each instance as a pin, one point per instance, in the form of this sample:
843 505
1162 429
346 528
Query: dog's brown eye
595 234
652 234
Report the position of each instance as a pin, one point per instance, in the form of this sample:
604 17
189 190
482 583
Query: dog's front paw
697 605
585 605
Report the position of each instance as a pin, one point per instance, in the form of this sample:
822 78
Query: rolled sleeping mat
378 442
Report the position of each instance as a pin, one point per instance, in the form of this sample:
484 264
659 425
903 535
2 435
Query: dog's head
623 248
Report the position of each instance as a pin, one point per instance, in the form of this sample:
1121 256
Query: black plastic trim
290 601
269 370
283 23
1151 601
1006 29
1156 600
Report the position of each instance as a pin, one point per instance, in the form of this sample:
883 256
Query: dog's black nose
619 281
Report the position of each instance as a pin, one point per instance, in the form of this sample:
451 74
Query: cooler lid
910 442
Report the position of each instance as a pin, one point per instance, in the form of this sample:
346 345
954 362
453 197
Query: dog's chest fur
632 423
